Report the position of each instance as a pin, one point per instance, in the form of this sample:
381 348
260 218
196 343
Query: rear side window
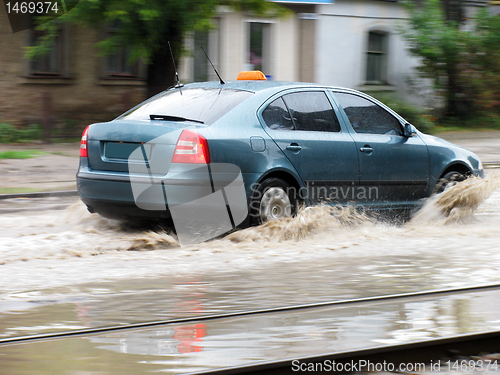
277 117
205 105
309 111
368 117
312 111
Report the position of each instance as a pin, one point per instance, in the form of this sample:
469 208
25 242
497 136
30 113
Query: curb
43 194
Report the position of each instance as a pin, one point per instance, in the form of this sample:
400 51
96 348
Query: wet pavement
55 170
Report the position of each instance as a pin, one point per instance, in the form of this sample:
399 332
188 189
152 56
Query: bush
31 133
10 134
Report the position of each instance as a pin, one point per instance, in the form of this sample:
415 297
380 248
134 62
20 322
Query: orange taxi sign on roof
252 75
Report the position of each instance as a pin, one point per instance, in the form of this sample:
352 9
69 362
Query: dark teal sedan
258 149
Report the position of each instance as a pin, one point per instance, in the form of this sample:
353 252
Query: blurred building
70 86
349 43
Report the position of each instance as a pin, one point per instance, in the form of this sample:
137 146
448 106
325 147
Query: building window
376 62
259 47
117 64
51 64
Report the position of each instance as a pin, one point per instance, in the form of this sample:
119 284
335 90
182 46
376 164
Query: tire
448 180
273 199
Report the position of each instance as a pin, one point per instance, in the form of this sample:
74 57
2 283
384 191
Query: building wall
229 47
307 48
82 97
342 42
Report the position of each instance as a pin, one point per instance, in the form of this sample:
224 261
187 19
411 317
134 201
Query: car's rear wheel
273 199
448 180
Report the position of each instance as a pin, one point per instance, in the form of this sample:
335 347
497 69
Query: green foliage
432 38
145 26
463 61
7 133
416 116
11 134
21 154
482 64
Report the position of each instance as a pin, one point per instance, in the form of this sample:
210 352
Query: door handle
366 149
294 147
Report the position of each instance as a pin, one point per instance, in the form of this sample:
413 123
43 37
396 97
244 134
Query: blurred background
435 62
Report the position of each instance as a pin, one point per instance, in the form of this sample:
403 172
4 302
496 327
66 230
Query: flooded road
63 270
69 269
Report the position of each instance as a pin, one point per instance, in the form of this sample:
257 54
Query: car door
393 167
306 128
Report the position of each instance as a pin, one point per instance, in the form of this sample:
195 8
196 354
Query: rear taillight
83 143
191 148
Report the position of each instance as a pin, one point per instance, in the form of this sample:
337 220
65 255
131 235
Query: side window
277 117
312 111
367 117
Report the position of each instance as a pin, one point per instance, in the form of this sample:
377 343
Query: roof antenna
215 70
179 84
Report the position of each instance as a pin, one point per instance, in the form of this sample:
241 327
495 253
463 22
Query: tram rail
435 355
365 301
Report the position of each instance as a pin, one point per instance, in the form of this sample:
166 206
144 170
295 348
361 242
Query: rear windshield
205 105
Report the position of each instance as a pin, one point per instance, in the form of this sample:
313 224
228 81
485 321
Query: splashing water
73 246
308 222
459 202
76 233
152 240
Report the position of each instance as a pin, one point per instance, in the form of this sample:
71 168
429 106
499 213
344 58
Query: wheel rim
275 204
448 181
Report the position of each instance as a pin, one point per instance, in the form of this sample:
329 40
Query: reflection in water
190 337
217 343
265 337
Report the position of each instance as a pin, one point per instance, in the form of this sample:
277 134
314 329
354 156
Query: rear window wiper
172 118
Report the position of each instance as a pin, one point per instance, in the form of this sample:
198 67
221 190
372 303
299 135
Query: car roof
258 85
273 87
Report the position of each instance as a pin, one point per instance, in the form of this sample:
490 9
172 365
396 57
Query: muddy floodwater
67 269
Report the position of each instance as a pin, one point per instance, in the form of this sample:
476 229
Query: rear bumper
119 195
115 200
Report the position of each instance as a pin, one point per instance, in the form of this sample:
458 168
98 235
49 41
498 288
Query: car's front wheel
448 180
273 199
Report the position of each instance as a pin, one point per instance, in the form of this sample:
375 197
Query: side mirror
410 130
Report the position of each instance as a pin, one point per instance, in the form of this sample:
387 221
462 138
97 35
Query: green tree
437 41
463 61
146 27
482 64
